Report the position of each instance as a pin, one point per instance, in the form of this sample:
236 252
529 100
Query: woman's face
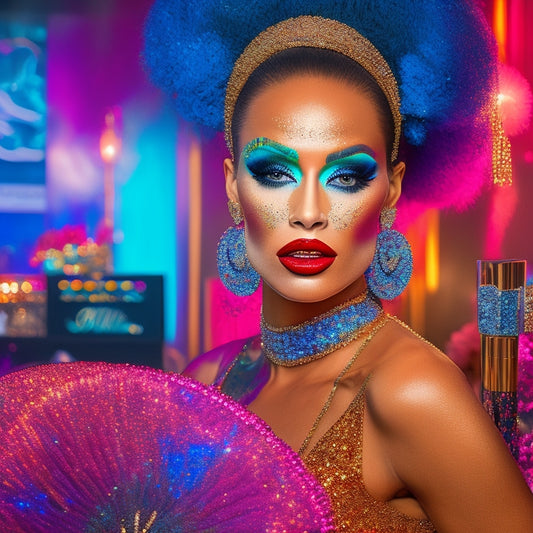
311 179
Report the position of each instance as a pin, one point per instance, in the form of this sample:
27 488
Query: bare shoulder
439 441
413 374
418 395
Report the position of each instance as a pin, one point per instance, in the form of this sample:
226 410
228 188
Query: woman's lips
306 256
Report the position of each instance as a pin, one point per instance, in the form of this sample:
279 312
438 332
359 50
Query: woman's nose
309 205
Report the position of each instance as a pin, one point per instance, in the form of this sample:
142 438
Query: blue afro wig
441 52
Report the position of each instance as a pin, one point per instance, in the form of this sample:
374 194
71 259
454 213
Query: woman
384 420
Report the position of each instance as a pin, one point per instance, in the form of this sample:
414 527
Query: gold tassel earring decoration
502 168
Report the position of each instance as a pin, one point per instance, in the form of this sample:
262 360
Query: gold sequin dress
336 461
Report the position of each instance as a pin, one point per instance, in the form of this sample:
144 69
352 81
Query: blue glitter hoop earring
234 268
392 266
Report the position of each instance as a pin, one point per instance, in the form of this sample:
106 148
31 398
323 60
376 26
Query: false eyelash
260 171
363 175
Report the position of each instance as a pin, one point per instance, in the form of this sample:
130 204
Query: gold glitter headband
312 32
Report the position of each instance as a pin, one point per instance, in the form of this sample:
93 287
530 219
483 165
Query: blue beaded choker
315 338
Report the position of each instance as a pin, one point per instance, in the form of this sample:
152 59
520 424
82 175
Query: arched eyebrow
264 142
351 150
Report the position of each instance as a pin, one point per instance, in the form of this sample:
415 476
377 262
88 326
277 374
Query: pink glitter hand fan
96 447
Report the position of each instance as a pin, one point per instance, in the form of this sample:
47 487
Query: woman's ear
395 184
231 180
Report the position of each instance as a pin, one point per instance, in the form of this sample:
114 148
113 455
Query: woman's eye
347 181
351 179
272 175
277 175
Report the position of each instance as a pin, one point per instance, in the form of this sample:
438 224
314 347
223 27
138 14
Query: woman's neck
319 329
280 312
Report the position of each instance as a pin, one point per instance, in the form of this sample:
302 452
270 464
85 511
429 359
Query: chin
310 289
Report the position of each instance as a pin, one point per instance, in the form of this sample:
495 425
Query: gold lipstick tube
501 286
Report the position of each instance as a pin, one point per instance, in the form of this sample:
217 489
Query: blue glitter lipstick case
500 296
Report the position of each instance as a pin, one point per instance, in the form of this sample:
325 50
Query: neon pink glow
514 99
231 317
502 209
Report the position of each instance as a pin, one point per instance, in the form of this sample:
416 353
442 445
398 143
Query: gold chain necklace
378 324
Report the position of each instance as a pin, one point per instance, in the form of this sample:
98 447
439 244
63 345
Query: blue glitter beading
234 268
392 266
296 345
499 312
503 409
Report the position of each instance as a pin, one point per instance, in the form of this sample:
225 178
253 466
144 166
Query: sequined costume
336 459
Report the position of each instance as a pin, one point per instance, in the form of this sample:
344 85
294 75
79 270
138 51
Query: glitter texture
310 128
392 266
387 217
260 142
502 167
342 217
499 312
528 309
273 215
234 268
315 32
337 461
235 212
503 409
313 339
378 325
98 447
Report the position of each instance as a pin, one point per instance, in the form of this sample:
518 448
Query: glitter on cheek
343 215
273 215
268 208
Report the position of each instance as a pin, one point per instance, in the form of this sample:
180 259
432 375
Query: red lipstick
306 256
